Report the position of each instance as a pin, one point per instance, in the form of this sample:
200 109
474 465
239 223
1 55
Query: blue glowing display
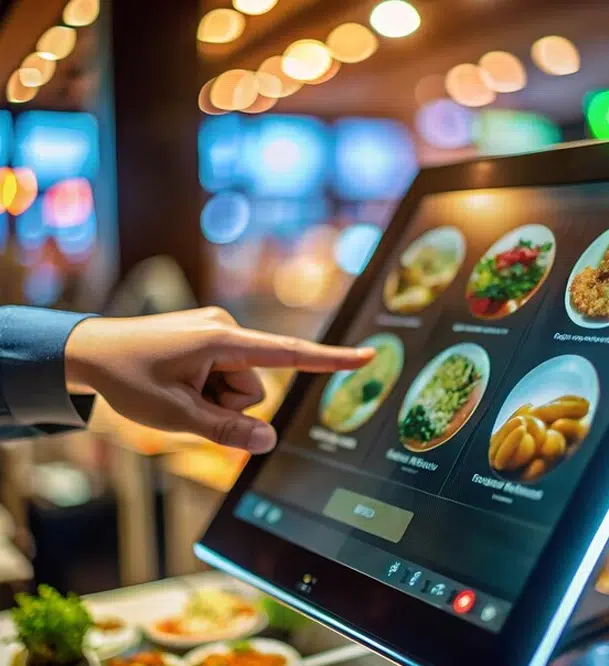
225 217
6 137
4 231
57 145
355 246
220 141
78 240
29 227
374 159
285 156
44 285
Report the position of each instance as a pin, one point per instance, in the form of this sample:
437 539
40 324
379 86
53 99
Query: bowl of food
427 267
211 614
544 419
255 652
511 272
352 397
587 293
147 658
111 636
443 397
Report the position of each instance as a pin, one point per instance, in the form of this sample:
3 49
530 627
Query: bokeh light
24 193
29 227
271 72
261 105
79 13
68 203
221 26
556 55
374 159
597 114
429 88
330 74
318 241
302 281
466 85
355 246
77 242
352 42
205 100
57 42
8 188
43 285
234 90
445 124
254 7
225 217
395 18
503 72
306 60
16 92
6 136
35 71
220 141
503 132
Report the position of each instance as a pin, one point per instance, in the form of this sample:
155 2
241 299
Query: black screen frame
399 627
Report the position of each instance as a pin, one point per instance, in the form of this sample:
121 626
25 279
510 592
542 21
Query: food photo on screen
587 293
511 272
426 269
443 397
545 419
352 397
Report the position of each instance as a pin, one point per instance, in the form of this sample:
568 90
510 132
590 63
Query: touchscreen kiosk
449 501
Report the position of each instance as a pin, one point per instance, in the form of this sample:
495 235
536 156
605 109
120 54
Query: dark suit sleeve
32 373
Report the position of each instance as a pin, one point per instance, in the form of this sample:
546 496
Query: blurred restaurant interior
247 154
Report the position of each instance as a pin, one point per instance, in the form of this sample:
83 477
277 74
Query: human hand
192 371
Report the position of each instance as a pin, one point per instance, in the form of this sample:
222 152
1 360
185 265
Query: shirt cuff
32 370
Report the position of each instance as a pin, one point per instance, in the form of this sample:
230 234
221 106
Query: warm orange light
221 26
25 193
18 190
352 42
205 100
302 281
330 74
261 105
271 72
57 43
234 90
79 13
35 71
306 60
395 18
429 88
503 72
466 85
16 92
254 7
556 55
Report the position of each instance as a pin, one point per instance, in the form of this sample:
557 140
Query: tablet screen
442 467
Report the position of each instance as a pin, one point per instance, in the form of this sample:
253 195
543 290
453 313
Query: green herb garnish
52 628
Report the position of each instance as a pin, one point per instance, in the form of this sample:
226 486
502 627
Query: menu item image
352 397
427 267
545 419
443 397
254 652
587 293
511 272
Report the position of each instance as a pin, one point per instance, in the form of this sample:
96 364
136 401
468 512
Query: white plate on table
262 645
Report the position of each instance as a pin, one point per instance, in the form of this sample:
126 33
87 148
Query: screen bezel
391 623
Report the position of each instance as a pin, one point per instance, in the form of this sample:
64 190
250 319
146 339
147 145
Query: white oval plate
109 644
262 645
591 257
475 353
442 238
536 234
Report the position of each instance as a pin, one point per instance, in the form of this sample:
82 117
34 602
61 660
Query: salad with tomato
502 283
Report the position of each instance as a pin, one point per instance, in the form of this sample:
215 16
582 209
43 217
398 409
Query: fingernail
262 439
366 352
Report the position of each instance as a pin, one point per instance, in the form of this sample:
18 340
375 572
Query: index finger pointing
246 348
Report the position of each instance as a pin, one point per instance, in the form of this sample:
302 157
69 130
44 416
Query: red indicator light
464 602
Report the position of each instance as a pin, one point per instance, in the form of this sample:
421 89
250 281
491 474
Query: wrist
79 360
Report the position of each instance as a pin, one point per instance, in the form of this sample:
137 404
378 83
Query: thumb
231 428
